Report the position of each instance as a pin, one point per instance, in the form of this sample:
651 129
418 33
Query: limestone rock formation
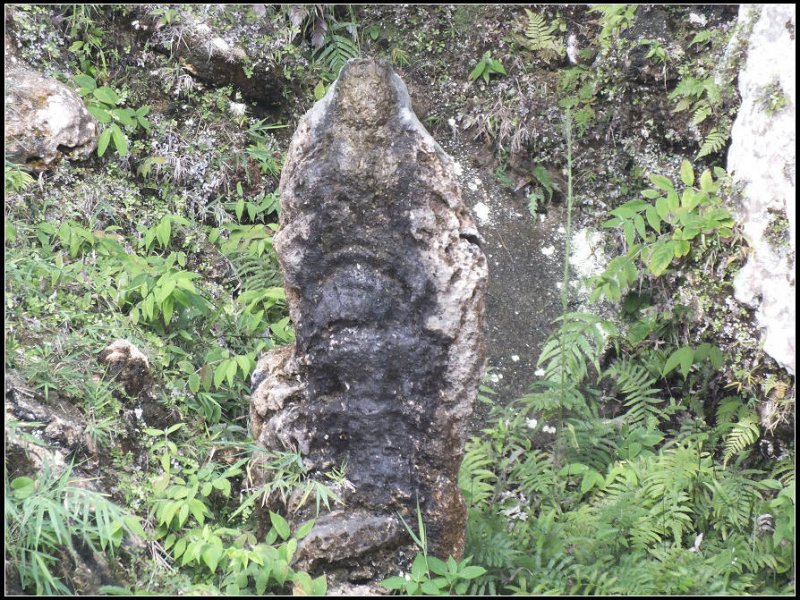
128 365
385 280
44 120
762 157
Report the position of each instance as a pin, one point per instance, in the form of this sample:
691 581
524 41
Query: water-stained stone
385 280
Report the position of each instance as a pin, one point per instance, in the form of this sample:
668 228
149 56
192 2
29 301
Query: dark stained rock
44 119
385 280
128 365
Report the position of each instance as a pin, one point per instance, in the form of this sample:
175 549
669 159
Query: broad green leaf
280 525
429 587
590 480
106 95
223 485
205 377
120 139
707 182
211 557
653 219
164 231
125 116
103 140
573 469
472 572
638 222
681 248
672 201
304 530
319 586
22 487
419 570
683 356
198 510
244 364
319 91
476 72
629 233
194 383
174 428
687 173
231 369
437 565
219 373
661 258
662 182
87 83
394 583
662 208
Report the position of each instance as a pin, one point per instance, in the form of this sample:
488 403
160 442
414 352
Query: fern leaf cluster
641 397
539 36
336 51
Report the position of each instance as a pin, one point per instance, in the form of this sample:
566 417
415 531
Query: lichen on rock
385 280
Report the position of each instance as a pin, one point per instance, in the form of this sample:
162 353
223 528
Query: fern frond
701 113
784 471
538 32
336 52
254 272
713 143
641 397
580 340
592 443
534 476
488 541
475 480
549 397
735 498
744 433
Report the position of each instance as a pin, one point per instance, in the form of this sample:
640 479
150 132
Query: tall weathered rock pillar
385 281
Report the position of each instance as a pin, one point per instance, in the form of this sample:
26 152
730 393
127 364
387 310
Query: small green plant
338 48
108 108
45 517
539 37
487 67
657 52
703 98
400 57
17 180
696 214
614 18
453 576
773 99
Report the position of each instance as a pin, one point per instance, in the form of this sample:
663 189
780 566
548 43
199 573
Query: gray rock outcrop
44 120
762 157
385 280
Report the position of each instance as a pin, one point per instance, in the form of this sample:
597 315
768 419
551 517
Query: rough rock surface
762 157
128 364
206 54
385 281
44 119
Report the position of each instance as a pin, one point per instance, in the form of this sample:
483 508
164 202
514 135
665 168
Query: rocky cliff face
762 157
385 280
